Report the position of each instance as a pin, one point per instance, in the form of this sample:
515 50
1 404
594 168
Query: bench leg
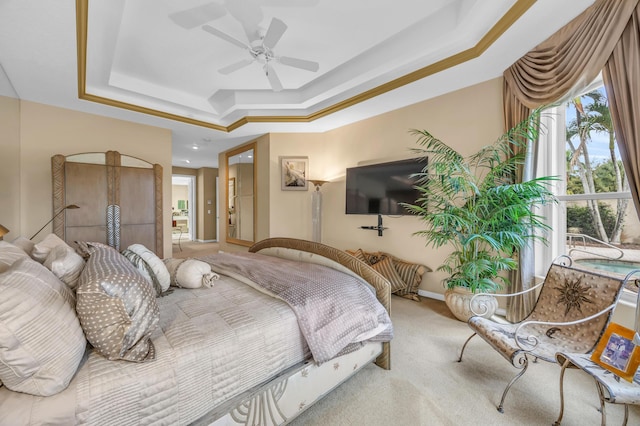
523 361
564 368
464 346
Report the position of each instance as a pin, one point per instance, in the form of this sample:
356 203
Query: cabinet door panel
137 196
86 186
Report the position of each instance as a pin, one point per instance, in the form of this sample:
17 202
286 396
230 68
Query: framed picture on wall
617 353
294 173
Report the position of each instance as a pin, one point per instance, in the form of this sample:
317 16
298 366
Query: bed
226 355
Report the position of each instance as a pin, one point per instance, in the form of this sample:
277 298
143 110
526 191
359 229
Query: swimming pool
617 266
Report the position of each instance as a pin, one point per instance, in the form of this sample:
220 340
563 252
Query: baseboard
431 295
438 296
205 241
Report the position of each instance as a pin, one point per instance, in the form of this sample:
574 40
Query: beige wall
206 204
46 131
467 119
10 166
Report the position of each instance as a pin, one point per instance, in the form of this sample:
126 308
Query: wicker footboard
380 283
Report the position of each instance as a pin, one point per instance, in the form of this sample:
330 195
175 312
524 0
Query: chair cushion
116 305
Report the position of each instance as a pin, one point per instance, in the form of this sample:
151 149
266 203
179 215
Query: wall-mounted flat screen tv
380 188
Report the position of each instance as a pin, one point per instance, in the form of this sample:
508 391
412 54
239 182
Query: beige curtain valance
569 59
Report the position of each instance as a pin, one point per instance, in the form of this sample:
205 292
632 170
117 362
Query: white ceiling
154 54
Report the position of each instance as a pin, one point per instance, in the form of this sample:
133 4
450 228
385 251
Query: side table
611 388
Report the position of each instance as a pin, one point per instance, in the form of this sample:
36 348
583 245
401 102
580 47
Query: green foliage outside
580 218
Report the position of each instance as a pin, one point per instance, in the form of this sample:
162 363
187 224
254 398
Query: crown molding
508 19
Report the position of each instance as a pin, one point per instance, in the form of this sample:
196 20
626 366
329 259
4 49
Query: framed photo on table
617 353
294 173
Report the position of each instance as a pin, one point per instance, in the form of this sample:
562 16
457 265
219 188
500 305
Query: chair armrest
532 341
483 306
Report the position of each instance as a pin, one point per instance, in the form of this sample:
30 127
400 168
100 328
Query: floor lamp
70 206
316 210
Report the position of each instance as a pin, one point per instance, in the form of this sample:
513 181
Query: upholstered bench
405 277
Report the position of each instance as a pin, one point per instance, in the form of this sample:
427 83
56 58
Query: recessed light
187 161
195 147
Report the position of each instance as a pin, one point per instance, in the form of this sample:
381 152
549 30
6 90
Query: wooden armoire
120 199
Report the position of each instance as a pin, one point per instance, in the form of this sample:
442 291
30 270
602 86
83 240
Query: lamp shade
3 231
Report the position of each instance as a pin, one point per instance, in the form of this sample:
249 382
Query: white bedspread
211 344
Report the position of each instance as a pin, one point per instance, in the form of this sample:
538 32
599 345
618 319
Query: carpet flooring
426 386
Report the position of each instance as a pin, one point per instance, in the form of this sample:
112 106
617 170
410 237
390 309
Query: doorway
183 207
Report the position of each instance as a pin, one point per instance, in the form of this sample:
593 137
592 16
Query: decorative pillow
25 244
116 305
41 341
411 273
9 254
144 268
43 248
359 254
155 263
385 268
65 264
190 273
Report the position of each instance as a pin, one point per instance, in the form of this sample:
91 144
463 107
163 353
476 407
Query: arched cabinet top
104 184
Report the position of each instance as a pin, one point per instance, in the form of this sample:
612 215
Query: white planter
458 301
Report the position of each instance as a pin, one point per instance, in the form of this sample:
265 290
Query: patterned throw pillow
116 305
385 267
411 273
41 340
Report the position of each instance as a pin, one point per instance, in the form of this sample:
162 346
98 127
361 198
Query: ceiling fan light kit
261 51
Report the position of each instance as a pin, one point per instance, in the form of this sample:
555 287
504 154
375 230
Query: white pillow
156 264
9 254
44 247
65 264
24 243
41 341
190 273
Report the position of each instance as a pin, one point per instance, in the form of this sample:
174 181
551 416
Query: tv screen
379 188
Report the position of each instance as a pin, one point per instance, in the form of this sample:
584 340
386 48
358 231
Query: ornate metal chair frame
551 330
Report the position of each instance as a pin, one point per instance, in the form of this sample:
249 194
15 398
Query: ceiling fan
261 51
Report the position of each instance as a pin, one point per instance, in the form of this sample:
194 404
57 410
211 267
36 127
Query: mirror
241 195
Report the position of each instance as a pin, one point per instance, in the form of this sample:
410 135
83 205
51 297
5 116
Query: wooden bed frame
286 396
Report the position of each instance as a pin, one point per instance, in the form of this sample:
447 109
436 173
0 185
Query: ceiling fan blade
218 33
273 78
274 32
235 66
198 15
299 63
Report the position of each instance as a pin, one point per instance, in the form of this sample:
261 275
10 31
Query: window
595 220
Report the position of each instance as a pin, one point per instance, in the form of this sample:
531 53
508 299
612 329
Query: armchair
571 313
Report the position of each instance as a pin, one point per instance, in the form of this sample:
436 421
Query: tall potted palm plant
474 205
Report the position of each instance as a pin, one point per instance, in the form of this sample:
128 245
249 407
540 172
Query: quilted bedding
336 312
211 344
